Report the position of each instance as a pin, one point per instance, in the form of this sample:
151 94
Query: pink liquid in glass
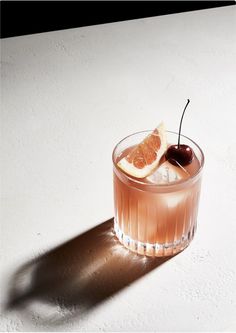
155 217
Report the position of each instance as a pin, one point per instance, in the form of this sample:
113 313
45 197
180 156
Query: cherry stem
180 125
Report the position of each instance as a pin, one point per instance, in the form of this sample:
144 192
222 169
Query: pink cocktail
157 215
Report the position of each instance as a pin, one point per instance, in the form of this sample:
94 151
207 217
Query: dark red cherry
181 154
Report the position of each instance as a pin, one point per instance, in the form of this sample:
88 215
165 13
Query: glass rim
177 183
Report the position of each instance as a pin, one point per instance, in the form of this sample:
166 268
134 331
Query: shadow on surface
74 277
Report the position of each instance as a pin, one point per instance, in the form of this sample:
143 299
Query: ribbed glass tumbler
156 219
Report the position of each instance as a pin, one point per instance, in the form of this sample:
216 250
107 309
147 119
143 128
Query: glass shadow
78 275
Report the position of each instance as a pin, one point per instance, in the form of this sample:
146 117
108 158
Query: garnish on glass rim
145 157
180 154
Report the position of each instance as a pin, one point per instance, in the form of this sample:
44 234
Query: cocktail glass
156 219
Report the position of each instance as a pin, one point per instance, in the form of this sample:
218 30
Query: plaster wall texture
67 98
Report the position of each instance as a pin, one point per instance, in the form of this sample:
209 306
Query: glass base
155 249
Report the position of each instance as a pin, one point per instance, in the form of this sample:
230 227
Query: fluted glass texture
151 219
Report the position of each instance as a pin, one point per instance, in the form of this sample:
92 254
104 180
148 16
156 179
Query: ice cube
168 173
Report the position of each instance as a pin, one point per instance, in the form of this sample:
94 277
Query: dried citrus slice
145 157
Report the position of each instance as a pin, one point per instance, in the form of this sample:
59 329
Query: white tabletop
67 98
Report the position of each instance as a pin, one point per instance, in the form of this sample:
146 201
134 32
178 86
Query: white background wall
67 98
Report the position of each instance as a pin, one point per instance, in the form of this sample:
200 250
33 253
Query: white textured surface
67 98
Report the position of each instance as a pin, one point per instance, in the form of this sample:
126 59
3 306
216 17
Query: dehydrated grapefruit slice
145 157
